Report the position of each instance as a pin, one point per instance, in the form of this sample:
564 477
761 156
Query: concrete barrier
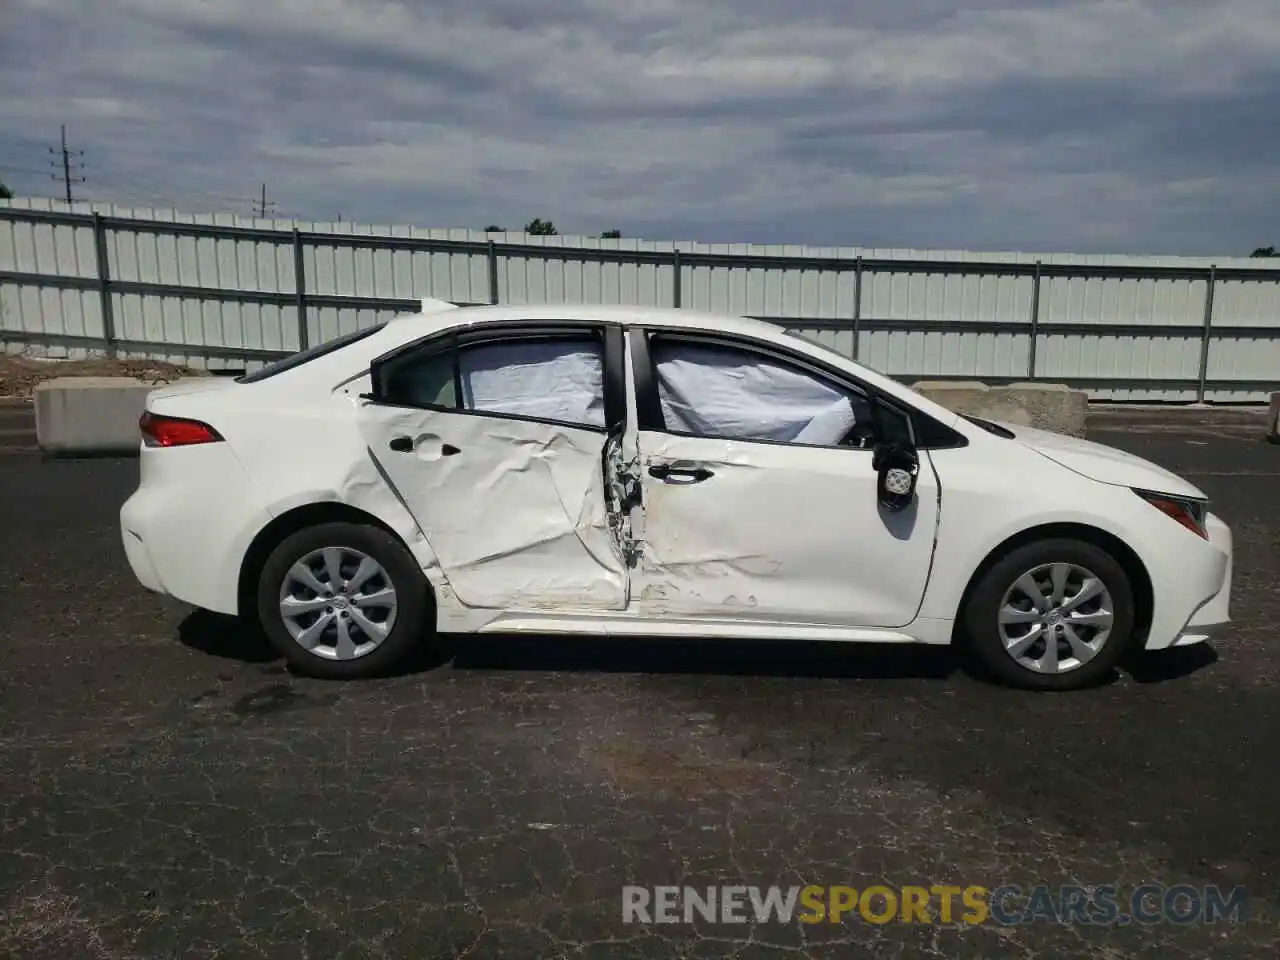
1045 406
91 416
1273 419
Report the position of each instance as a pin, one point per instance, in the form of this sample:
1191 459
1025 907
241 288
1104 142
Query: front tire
1051 615
343 601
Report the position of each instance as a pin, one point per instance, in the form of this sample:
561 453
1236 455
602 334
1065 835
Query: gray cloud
1088 125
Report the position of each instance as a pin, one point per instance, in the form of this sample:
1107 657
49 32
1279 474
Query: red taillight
161 431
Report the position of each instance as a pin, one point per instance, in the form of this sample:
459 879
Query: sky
1087 126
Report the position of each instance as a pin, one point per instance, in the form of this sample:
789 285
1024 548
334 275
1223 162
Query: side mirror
897 468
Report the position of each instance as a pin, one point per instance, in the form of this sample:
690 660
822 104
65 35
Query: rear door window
558 378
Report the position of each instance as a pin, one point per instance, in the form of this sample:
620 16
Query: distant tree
5 192
541 228
492 229
1265 252
611 235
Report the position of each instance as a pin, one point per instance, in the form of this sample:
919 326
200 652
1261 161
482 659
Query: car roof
415 325
438 316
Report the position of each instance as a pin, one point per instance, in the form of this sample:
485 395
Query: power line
11 168
151 189
157 185
66 155
263 205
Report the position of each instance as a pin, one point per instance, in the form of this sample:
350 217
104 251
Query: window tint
309 354
415 380
560 378
894 426
714 390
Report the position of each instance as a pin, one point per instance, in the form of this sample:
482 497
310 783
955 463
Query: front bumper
1215 612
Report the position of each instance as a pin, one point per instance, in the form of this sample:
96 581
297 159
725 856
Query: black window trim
300 358
649 407
607 335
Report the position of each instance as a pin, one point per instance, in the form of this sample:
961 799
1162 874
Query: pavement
168 789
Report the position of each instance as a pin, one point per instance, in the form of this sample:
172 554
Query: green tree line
537 227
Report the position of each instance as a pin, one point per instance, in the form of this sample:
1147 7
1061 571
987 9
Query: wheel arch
1125 555
290 522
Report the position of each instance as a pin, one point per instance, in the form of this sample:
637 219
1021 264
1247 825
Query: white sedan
630 471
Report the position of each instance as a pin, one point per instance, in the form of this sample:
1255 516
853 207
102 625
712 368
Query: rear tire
1085 609
343 601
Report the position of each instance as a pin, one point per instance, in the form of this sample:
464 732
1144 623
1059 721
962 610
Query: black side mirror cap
897 469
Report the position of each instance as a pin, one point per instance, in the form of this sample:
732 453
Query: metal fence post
1206 334
104 286
857 305
300 290
493 272
677 270
1035 324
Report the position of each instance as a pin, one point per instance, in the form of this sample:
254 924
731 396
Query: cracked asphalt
167 789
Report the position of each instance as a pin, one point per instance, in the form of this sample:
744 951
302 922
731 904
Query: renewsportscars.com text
1006 904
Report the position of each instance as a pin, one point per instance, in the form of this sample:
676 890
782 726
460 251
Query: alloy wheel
1055 618
338 603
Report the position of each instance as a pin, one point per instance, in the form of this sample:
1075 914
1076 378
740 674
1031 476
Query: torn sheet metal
517 518
623 497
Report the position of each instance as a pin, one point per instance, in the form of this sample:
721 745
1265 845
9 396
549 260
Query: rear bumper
187 526
135 551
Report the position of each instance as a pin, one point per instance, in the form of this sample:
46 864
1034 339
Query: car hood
1102 463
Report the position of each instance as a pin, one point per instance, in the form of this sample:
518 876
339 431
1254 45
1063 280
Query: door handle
674 473
405 445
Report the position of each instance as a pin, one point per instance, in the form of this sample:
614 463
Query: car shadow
699 655
231 638
1160 666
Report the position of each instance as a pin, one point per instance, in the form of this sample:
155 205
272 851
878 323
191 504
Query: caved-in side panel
514 510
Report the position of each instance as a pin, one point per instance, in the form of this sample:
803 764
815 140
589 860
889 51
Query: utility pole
65 156
263 205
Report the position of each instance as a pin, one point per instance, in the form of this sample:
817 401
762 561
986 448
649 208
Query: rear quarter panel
297 445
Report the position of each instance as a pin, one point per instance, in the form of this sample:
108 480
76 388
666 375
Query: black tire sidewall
412 599
979 615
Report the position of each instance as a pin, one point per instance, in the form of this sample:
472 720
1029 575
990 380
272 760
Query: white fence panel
233 291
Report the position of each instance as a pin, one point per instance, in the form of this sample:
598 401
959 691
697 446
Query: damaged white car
628 471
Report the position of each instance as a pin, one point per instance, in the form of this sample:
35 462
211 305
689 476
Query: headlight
1188 512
